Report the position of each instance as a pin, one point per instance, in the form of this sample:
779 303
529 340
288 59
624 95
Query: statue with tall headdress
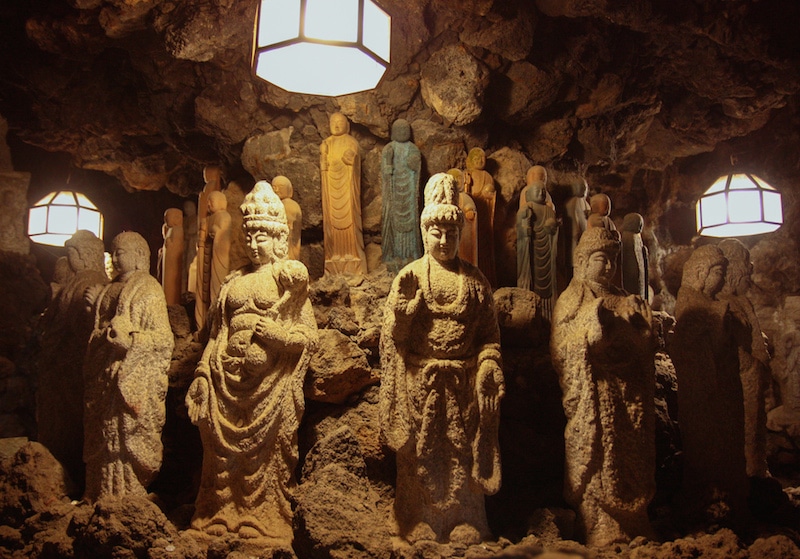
442 383
247 395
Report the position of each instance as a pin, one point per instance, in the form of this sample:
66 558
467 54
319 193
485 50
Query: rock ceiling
648 100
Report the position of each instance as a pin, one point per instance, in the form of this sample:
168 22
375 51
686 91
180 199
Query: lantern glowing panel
57 216
321 47
739 205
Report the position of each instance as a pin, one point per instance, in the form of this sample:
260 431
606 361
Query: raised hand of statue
490 387
634 310
91 294
349 157
409 295
197 400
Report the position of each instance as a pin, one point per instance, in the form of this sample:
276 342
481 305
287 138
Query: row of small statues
209 251
441 381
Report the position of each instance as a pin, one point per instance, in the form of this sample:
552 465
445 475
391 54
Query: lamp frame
758 185
48 235
303 38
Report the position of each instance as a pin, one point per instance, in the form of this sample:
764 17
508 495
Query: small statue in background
635 256
190 230
442 383
711 418
247 396
217 247
754 358
600 205
213 177
400 170
294 214
66 326
603 348
480 186
340 170
468 248
537 242
787 415
172 255
125 375
576 212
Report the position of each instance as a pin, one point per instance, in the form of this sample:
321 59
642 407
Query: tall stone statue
600 214
710 401
217 247
480 186
537 242
754 370
635 256
125 375
400 170
172 255
340 169
468 248
190 231
247 396
441 383
66 326
603 349
213 177
294 214
576 212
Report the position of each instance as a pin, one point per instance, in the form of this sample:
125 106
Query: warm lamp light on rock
739 205
321 47
57 216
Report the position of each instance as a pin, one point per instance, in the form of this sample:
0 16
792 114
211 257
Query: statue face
476 159
713 280
124 258
261 246
538 193
401 131
338 124
441 241
600 267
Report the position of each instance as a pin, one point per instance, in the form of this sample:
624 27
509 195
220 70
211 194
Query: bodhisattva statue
480 186
635 256
217 247
441 383
603 349
710 401
576 211
537 241
247 396
340 169
125 375
754 370
172 255
213 177
400 169
294 214
66 326
468 248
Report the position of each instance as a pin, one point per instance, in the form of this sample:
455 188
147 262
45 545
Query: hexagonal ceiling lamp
57 216
321 47
739 205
